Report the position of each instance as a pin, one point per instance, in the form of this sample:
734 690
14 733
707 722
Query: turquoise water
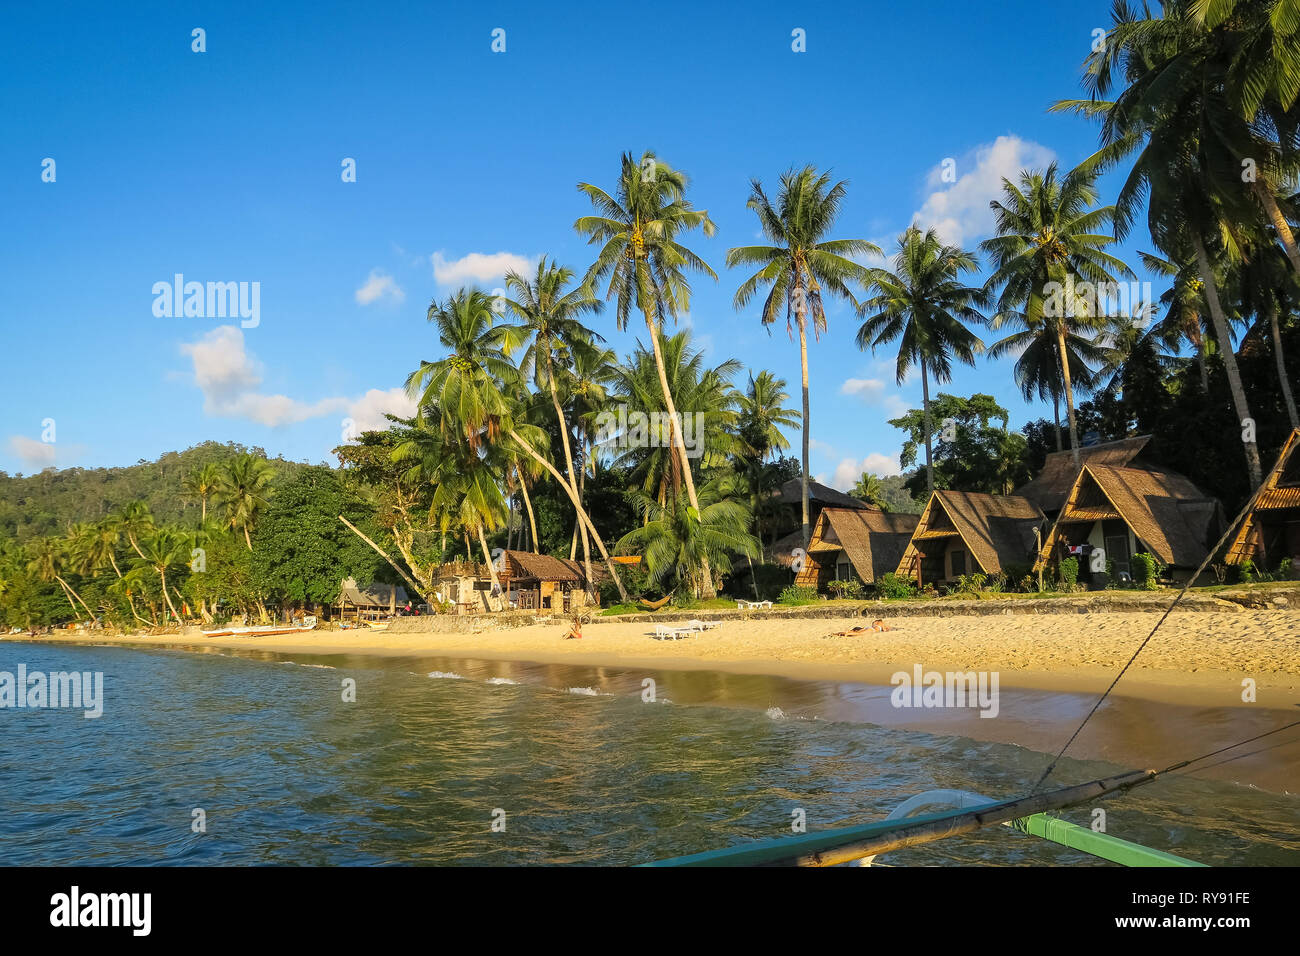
584 769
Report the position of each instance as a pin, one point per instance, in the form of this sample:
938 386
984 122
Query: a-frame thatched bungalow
854 542
1271 531
1126 511
963 532
1050 487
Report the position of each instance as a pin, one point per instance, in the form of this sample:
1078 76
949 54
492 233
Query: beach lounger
663 632
751 605
697 625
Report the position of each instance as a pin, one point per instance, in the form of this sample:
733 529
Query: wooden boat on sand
262 630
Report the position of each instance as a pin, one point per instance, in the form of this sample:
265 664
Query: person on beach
575 632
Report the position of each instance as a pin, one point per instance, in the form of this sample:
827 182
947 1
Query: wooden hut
849 543
962 532
1271 531
540 582
1126 511
467 586
372 603
1050 487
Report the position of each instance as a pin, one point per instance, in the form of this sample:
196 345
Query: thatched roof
1281 489
791 494
998 530
1050 486
873 541
544 567
376 595
1169 515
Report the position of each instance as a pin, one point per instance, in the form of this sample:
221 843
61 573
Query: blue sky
225 166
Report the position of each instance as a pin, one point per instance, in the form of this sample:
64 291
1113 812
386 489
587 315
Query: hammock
656 605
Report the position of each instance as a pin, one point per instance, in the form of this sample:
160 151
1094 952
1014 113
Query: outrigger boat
263 630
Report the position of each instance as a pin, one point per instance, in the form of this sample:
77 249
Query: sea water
259 758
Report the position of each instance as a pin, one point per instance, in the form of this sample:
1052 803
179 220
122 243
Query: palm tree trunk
1226 354
675 428
1281 368
247 539
582 514
568 464
74 593
131 537
492 570
383 554
113 561
800 312
532 522
1069 391
1202 366
1282 227
925 416
1056 419
162 576
67 593
203 519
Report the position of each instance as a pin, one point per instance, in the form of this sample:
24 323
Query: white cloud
873 392
377 286
36 454
960 211
228 376
849 470
478 267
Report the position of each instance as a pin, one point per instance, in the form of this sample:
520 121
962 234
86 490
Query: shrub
797 594
1285 570
846 589
1069 571
969 583
635 582
890 585
1146 571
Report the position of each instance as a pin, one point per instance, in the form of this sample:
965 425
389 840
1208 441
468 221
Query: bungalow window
958 562
843 569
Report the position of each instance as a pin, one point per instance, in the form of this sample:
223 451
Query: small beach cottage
1271 532
540 582
1126 511
962 532
369 603
854 544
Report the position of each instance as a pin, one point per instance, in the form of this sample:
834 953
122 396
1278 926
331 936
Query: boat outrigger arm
973 812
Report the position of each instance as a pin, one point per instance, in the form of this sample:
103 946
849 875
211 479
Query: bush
969 583
797 594
852 590
771 578
890 585
1146 571
1285 570
1069 571
635 582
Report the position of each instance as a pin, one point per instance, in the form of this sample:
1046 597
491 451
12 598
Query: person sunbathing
876 625
575 631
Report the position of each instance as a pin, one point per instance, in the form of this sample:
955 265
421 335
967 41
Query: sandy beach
1183 697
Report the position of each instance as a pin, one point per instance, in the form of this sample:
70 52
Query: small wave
585 691
326 667
445 675
775 713
501 680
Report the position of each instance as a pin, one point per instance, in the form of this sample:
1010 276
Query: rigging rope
1204 564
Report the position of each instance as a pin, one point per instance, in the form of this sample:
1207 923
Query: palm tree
242 489
763 415
677 548
637 230
870 489
799 266
1175 114
47 558
1184 304
552 316
163 549
924 304
134 520
469 396
1048 255
1267 289
199 485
